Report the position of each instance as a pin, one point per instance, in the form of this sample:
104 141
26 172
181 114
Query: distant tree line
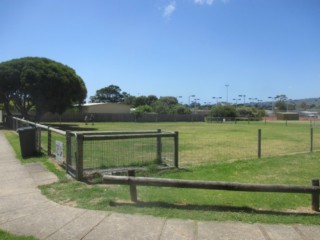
141 104
230 111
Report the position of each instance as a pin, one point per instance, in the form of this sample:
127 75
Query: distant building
309 114
105 108
287 116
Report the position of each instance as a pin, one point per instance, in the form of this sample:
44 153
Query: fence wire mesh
139 152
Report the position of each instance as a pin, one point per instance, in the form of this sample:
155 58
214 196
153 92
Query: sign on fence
59 151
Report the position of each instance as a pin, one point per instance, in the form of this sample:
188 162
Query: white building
106 108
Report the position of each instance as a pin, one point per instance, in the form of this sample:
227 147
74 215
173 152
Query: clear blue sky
260 48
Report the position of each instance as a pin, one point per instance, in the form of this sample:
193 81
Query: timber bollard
315 196
133 187
259 143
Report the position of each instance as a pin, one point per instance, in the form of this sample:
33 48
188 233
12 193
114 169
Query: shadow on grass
215 208
73 127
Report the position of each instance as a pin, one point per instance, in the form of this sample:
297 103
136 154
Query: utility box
27 136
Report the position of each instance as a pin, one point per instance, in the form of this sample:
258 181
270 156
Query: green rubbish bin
27 136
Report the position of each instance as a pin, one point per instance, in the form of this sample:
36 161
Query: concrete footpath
25 211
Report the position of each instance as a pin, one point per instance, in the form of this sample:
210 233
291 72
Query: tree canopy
40 83
281 102
112 93
227 111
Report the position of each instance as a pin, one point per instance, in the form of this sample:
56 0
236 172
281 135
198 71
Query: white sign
59 151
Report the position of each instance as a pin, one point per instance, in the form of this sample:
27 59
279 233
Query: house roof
95 104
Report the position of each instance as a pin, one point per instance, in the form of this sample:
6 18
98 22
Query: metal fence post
159 148
79 158
176 149
259 143
311 139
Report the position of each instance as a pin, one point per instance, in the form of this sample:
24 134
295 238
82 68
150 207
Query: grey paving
25 211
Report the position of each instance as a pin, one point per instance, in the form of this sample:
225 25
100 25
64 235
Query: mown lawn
215 142
208 204
294 169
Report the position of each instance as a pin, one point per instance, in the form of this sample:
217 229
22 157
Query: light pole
272 103
190 97
288 101
227 86
217 98
244 98
235 99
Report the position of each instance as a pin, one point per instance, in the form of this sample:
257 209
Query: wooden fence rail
133 181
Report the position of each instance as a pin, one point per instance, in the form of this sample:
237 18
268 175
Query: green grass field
207 160
201 143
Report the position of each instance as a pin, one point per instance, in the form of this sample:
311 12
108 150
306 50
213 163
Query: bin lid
25 129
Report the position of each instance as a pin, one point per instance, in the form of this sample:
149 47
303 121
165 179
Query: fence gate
71 154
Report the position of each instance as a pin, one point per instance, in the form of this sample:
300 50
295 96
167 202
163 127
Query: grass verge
205 205
8 236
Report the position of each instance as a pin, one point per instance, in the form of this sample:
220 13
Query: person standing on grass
86 119
92 119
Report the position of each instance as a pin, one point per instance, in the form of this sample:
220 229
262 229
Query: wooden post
133 187
176 149
79 158
315 196
311 139
159 148
259 143
49 141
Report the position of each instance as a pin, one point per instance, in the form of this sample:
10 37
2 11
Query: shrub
226 111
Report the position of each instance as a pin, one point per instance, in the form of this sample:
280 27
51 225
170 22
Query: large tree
112 93
40 83
165 105
281 101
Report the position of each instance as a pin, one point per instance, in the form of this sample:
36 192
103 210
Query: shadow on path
216 208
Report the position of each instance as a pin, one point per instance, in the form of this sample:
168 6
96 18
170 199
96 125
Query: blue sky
260 48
